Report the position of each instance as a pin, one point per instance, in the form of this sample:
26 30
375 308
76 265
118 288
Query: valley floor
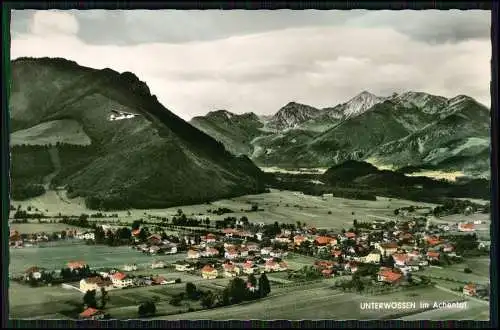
311 301
281 206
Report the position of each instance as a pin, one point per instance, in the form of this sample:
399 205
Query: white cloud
320 66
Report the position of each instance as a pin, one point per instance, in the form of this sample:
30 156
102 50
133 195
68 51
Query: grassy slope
236 132
436 143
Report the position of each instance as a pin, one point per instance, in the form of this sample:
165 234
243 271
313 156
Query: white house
130 267
210 252
172 250
121 280
231 270
193 254
248 268
231 254
154 249
86 235
252 247
266 250
259 236
276 253
183 267
157 264
372 258
95 283
243 251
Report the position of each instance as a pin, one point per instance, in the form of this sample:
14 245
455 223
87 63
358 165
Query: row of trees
456 206
68 274
81 221
235 292
122 236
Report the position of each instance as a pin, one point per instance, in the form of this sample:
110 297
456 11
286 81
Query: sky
198 61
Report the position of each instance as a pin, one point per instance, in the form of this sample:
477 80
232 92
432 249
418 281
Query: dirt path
56 162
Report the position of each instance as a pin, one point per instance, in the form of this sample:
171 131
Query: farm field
281 206
313 303
48 302
296 261
479 266
32 227
95 255
43 301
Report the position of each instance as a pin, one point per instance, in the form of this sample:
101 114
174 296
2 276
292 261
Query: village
376 254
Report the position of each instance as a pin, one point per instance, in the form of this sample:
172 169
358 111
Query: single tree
89 299
264 286
147 309
208 299
237 290
190 289
104 297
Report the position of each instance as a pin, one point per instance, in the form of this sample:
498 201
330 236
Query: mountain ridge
155 159
312 137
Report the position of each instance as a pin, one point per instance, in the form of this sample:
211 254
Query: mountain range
62 136
409 132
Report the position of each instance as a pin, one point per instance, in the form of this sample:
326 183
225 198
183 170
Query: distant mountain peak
428 103
293 114
360 104
221 113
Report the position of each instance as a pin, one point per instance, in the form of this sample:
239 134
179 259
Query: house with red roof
193 254
321 264
389 276
470 289
74 265
209 272
95 283
271 266
160 280
136 232
433 255
466 227
211 238
322 240
121 280
299 239
400 259
231 270
433 240
387 248
231 253
336 253
229 231
210 252
91 314
282 238
33 272
249 268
